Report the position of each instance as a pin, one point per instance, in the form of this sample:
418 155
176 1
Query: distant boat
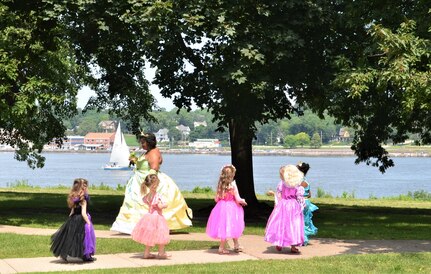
119 159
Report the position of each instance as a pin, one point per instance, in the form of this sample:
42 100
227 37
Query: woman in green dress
177 213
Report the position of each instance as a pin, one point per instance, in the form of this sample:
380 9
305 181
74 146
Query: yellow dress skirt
178 215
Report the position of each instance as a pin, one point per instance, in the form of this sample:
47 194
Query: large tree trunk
241 137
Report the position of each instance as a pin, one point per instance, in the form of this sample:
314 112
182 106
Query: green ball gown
177 214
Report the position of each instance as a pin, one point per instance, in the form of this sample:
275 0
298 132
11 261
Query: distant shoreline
321 152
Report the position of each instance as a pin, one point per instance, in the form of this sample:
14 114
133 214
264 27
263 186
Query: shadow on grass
333 220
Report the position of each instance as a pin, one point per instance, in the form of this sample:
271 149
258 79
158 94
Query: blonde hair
77 192
226 178
148 182
292 176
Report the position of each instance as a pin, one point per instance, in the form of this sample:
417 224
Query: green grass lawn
337 217
349 264
28 246
340 218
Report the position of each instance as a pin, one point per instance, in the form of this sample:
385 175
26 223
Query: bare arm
71 212
304 184
161 203
154 158
84 211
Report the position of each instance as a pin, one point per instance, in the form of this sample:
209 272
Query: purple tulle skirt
285 226
89 239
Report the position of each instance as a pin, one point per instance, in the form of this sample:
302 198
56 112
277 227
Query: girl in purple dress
285 226
76 238
227 217
153 228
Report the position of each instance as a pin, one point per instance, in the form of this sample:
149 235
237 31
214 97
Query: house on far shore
162 135
205 143
343 135
98 140
73 142
199 124
107 126
185 130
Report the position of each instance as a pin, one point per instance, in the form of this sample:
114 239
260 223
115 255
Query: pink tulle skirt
226 220
285 226
151 230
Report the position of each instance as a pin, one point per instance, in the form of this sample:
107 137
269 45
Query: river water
335 175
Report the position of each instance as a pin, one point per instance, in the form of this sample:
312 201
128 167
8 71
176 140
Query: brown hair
77 192
148 182
150 139
226 178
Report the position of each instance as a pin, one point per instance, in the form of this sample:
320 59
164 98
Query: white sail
120 150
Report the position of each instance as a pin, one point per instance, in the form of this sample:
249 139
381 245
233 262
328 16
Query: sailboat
119 159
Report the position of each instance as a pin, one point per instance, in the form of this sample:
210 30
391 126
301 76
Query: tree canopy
382 87
366 62
48 51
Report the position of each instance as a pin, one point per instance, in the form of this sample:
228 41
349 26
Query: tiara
143 134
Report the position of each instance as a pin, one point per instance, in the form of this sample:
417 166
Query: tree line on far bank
300 131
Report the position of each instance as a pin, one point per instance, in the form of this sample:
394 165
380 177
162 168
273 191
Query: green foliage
322 194
302 139
48 51
120 187
206 189
421 195
290 141
364 63
346 195
316 141
21 184
101 186
39 78
388 83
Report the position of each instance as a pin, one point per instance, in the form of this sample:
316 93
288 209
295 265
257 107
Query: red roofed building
105 140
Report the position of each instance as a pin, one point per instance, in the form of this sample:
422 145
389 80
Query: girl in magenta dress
227 217
285 226
152 229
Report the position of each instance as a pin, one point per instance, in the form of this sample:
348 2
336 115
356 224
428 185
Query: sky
85 93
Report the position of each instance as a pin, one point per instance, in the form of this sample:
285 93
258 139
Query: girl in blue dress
309 228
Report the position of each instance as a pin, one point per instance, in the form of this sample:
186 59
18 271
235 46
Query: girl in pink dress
152 229
285 226
227 217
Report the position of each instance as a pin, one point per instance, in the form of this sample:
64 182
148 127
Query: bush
322 194
121 187
347 195
206 189
21 184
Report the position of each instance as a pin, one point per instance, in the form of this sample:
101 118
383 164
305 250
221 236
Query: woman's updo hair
303 167
150 138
